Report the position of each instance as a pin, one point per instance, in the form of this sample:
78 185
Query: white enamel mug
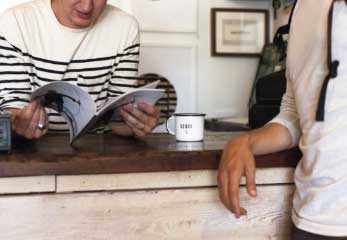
189 127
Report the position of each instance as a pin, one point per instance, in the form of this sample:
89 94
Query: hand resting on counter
238 160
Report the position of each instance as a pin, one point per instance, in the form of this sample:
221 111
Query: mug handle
167 126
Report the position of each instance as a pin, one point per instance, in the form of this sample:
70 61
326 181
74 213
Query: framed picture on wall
239 32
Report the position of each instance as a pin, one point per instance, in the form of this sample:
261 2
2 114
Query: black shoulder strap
283 30
291 15
332 67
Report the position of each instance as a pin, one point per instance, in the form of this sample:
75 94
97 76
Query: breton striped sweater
36 49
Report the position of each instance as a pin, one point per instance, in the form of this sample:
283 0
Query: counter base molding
163 180
21 185
164 214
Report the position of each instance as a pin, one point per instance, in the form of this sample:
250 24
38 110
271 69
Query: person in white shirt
313 116
84 42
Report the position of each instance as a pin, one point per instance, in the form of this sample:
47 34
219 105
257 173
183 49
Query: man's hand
31 121
237 160
141 118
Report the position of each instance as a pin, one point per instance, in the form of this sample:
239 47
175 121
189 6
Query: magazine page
145 95
152 85
73 103
111 105
103 116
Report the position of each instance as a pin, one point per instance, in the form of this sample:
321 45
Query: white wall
224 83
218 86
9 3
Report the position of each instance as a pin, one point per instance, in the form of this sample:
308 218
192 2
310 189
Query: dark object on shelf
260 114
270 81
218 125
271 61
5 132
269 92
270 88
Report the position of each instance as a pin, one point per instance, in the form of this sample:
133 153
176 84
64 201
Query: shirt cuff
293 127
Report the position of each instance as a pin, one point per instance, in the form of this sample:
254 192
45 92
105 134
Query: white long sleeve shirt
36 49
320 199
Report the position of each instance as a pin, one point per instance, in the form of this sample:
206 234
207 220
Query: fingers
250 179
237 160
153 115
27 119
223 189
149 109
32 126
134 116
136 126
44 121
234 196
229 192
133 124
23 118
142 119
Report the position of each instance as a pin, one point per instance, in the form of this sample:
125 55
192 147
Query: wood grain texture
16 185
171 214
160 180
103 154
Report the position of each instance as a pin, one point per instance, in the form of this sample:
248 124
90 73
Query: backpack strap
283 30
332 67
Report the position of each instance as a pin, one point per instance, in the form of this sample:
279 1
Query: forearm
272 137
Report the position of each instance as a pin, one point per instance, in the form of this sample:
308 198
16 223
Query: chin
82 23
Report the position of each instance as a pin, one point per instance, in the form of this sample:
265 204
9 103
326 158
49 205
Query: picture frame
239 32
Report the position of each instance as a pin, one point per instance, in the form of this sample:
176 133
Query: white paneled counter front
110 188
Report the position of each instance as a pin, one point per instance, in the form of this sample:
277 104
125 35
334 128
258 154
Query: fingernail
141 104
31 105
129 107
254 193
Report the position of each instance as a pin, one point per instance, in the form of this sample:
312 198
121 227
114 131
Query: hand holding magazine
79 109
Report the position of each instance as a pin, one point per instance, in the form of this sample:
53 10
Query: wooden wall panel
167 214
36 184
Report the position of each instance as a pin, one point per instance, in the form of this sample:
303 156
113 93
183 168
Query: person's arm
283 132
15 86
30 122
142 118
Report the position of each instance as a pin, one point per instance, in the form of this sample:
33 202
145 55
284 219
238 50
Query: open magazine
79 109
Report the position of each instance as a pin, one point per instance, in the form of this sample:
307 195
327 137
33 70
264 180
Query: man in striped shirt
84 42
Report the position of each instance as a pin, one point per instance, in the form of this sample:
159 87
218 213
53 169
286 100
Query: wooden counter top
99 154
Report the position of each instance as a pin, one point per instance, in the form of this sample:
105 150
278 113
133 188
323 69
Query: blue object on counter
5 131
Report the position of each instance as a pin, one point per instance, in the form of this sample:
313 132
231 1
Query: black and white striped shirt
36 49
